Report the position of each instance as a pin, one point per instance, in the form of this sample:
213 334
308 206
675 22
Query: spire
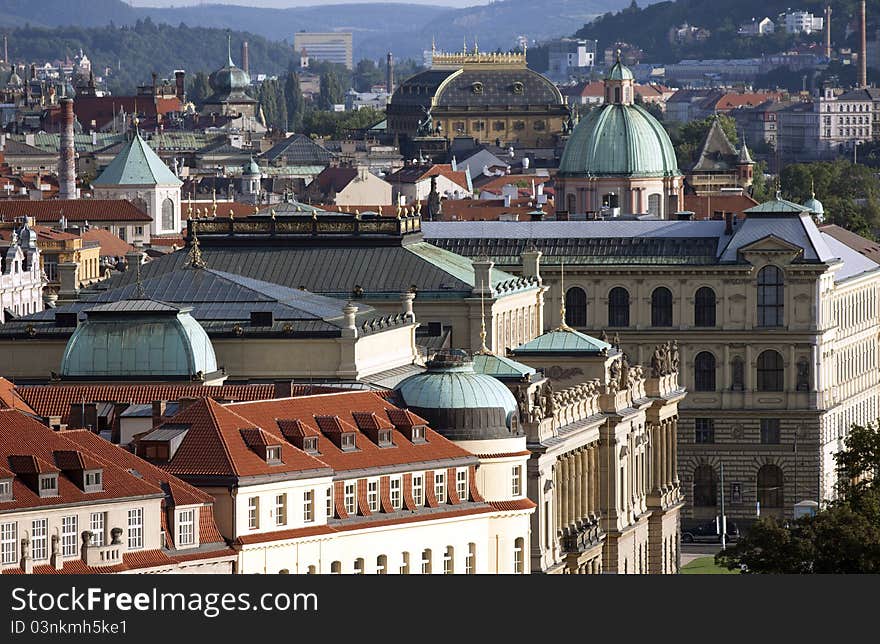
812 189
195 258
229 48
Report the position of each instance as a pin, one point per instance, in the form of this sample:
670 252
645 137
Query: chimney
349 313
154 76
67 160
531 262
284 389
245 65
68 278
828 32
180 84
33 71
863 48
482 277
158 412
6 51
728 223
389 74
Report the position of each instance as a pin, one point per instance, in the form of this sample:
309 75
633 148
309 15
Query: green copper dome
458 402
251 168
815 206
619 140
619 72
138 340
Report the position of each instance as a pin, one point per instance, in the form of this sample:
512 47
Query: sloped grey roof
854 263
797 230
298 149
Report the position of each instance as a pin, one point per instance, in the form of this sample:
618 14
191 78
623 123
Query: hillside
647 27
406 29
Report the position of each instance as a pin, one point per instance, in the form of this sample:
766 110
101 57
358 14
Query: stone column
578 486
572 490
748 370
595 509
564 492
557 498
588 482
674 423
656 452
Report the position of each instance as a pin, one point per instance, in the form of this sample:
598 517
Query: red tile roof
111 245
703 207
55 400
10 398
518 504
74 210
135 560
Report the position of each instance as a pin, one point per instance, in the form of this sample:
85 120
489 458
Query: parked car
709 533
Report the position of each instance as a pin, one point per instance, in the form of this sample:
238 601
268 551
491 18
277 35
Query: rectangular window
254 512
770 431
135 528
330 502
308 506
39 539
373 495
6 490
96 526
518 556
704 430
461 484
93 481
349 498
470 559
68 536
418 489
396 497
516 480
49 485
447 561
440 486
186 527
281 509
273 455
9 542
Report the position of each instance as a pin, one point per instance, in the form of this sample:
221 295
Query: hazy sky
295 3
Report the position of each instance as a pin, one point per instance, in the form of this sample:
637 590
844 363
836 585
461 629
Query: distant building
688 34
804 22
570 57
21 278
757 27
334 47
720 167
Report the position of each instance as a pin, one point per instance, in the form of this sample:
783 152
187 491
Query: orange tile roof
10 398
55 400
74 210
135 560
518 504
111 245
703 207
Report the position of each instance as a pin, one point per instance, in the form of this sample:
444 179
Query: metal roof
500 366
854 263
137 164
562 341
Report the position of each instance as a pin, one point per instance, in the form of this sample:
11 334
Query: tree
688 138
843 538
761 190
273 103
294 100
199 89
367 74
331 92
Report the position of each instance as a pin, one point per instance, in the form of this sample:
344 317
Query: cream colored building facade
776 324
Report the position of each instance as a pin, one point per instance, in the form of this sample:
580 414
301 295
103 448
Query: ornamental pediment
771 245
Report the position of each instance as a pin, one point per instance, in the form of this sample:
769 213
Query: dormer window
310 444
348 441
5 490
418 434
93 481
49 484
273 454
384 438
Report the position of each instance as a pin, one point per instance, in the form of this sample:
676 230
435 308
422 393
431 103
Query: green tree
294 100
199 89
331 92
843 538
761 190
273 103
367 74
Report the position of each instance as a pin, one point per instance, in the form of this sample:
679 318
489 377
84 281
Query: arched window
518 555
704 307
167 214
382 565
359 566
704 371
470 561
449 561
336 568
705 489
426 561
576 307
616 94
770 371
618 307
771 296
770 487
661 307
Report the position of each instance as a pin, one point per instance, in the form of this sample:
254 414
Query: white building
569 56
802 22
757 27
345 483
21 278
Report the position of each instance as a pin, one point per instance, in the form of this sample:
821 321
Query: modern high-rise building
332 47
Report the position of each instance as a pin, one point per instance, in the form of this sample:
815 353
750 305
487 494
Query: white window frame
349 497
135 528
6 489
420 497
9 542
427 555
461 484
396 485
254 513
186 527
440 486
308 506
330 502
448 567
93 479
40 539
281 509
518 556
373 495
470 560
516 480
69 525
96 526
273 454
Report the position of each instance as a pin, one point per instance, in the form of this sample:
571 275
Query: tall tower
67 160
828 31
863 50
245 64
389 75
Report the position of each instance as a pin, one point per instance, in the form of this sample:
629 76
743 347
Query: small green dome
619 72
251 168
814 205
460 403
229 80
619 140
138 340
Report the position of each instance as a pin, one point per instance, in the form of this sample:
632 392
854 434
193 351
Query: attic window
477 88
347 441
6 490
273 454
385 438
310 444
49 484
418 434
518 87
93 481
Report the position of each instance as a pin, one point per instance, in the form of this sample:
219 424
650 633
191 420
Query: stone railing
107 555
577 403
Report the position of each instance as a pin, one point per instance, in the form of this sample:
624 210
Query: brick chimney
180 84
67 158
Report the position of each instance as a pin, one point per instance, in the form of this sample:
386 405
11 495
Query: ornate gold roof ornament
272 213
189 211
231 213
357 213
194 258
198 212
314 215
563 326
399 210
256 209
380 211
419 208
214 203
